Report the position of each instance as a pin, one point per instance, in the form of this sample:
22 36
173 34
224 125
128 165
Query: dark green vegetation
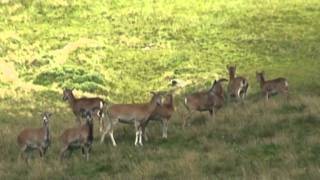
121 50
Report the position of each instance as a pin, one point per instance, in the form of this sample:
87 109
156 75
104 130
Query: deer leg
212 113
137 137
107 130
112 138
63 151
144 132
238 96
140 136
83 151
186 120
23 153
103 136
136 124
101 121
285 94
41 152
165 128
87 153
45 150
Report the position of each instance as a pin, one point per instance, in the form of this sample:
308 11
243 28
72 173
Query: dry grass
276 140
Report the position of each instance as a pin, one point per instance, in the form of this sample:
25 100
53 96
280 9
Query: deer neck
71 100
170 100
262 81
218 91
90 129
46 131
152 105
232 75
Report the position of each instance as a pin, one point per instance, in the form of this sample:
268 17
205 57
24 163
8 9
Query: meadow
121 50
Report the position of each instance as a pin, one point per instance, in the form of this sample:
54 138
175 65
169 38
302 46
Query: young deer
238 85
210 100
274 86
79 136
84 103
163 113
138 114
35 138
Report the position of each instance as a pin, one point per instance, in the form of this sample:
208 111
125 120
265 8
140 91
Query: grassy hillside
121 50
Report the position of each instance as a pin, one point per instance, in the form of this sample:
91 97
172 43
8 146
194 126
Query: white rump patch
185 100
238 93
101 104
286 83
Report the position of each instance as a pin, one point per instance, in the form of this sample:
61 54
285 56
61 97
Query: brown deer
238 85
79 136
35 138
137 114
84 103
163 113
210 100
274 86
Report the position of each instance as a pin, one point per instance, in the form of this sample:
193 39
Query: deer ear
214 82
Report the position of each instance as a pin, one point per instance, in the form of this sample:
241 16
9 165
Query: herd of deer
81 136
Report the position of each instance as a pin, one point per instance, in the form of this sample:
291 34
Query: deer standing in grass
238 85
35 138
163 113
137 114
210 100
274 86
79 136
84 103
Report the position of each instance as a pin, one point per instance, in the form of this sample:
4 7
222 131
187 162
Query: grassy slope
127 48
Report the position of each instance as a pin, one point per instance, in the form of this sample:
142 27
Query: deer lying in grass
79 136
210 100
84 103
274 86
163 113
35 138
238 86
138 114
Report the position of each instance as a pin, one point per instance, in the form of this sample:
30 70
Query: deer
238 85
78 136
84 103
35 138
210 100
137 114
163 113
274 86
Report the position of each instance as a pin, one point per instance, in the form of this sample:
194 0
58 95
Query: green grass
121 50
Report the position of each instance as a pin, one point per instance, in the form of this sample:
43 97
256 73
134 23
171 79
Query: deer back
200 100
277 84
